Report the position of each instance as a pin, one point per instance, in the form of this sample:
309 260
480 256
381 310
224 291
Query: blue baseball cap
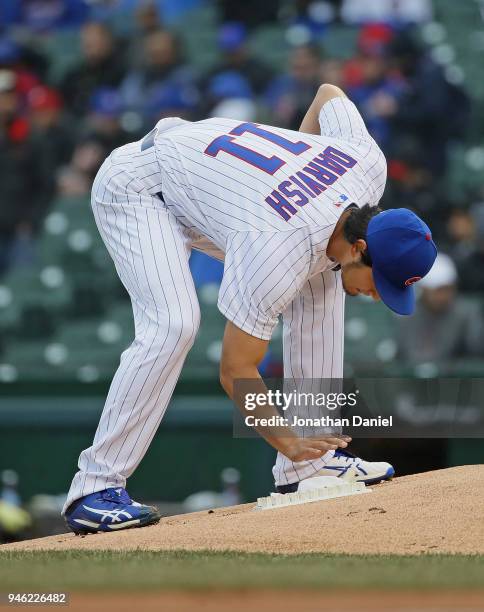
229 84
9 51
232 35
402 252
171 96
107 101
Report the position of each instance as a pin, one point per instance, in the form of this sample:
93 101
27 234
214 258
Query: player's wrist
288 446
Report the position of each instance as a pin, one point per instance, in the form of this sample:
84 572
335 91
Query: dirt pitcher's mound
434 512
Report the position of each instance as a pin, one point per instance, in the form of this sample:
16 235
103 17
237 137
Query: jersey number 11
228 144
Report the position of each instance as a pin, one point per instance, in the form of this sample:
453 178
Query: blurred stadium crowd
81 77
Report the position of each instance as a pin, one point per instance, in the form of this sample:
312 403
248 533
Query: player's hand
303 449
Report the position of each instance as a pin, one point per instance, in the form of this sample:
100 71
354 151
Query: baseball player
294 216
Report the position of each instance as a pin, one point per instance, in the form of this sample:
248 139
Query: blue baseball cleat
108 510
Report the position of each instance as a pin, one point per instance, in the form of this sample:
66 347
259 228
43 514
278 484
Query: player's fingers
329 443
341 441
320 448
341 438
311 453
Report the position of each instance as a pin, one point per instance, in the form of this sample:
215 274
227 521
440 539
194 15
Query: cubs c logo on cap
412 280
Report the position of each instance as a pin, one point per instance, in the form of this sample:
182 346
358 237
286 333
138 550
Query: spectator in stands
232 43
411 184
229 95
44 15
147 20
468 234
169 100
55 136
102 65
103 122
372 87
461 234
25 185
373 40
445 325
102 133
163 69
289 95
76 178
72 181
332 72
27 65
427 103
397 12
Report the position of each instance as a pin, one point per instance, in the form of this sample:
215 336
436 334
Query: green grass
78 570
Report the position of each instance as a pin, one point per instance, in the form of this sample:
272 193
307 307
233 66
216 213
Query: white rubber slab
312 489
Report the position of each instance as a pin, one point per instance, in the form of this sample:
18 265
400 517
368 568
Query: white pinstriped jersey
267 198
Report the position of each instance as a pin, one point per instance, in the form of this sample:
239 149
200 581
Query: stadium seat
269 42
340 41
370 334
62 49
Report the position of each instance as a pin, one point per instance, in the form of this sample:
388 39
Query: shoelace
116 496
346 454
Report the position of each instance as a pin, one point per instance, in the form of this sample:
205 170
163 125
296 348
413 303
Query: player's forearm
278 436
326 92
241 355
257 387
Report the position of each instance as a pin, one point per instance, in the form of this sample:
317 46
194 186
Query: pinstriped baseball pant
150 251
313 338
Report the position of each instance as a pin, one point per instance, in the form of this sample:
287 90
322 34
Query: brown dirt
433 512
270 601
